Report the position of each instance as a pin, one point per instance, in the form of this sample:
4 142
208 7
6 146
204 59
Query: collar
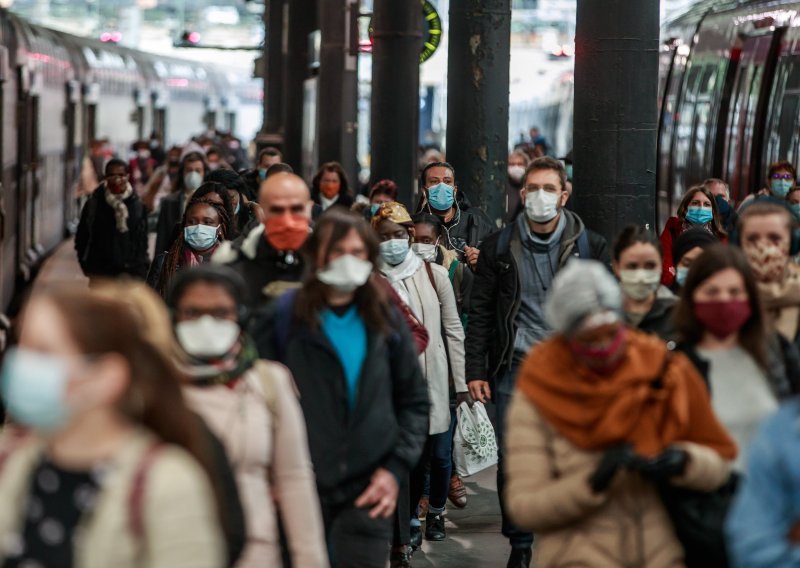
325 202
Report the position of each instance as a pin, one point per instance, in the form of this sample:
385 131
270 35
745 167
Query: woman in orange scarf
601 413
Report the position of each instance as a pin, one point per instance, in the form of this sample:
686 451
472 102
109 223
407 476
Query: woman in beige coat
252 406
601 413
110 469
426 289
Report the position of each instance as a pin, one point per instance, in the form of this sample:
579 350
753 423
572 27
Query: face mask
781 187
262 173
192 180
441 196
116 185
516 173
200 237
207 336
238 206
286 232
767 262
699 215
723 206
330 190
680 275
373 209
213 166
723 319
425 252
394 251
34 389
143 154
541 206
605 358
568 167
346 274
639 284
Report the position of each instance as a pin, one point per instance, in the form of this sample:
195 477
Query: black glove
613 459
464 397
669 463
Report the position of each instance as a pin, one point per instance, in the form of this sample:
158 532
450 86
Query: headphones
794 247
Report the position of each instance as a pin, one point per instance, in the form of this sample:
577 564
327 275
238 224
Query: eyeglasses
782 176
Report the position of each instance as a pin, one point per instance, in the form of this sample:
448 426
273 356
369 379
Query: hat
394 212
689 239
581 289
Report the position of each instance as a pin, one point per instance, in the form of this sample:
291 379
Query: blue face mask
262 173
33 386
200 237
373 209
394 251
441 196
781 187
699 215
680 275
795 207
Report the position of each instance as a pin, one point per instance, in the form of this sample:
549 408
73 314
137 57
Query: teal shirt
348 335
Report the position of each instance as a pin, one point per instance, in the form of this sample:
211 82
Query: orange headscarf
595 412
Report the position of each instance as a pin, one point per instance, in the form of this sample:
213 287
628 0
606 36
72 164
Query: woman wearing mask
600 414
698 208
426 289
781 178
367 421
330 187
721 329
205 224
115 467
646 304
251 405
517 165
382 192
686 249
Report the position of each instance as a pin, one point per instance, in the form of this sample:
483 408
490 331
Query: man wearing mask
267 157
268 258
111 240
464 226
515 270
722 195
192 170
517 164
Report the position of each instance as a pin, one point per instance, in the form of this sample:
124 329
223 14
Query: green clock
431 31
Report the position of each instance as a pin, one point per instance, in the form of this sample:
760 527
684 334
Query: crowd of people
267 372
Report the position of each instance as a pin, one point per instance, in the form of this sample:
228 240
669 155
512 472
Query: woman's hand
613 459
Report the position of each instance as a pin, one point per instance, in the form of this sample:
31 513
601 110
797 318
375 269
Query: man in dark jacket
192 171
267 256
515 269
111 240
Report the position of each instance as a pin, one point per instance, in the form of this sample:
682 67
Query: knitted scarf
117 202
226 369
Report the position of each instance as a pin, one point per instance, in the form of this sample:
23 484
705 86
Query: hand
480 391
471 254
670 463
382 493
462 397
613 459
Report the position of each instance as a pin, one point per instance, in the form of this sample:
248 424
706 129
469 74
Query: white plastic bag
474 445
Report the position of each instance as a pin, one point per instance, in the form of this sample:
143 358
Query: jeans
502 399
436 454
355 540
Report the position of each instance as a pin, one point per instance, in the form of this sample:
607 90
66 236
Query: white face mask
425 252
516 173
541 206
639 284
207 336
346 274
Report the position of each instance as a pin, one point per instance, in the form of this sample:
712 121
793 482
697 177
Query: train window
782 140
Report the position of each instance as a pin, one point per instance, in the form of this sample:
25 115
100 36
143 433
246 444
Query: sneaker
434 527
457 493
416 537
422 508
400 558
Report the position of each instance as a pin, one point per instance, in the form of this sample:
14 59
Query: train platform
473 533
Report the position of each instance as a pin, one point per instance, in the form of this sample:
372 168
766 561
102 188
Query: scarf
117 202
226 369
781 301
686 225
595 411
396 274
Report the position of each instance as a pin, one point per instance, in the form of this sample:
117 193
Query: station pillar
271 133
301 21
615 125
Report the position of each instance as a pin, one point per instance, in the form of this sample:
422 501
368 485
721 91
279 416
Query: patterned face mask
767 261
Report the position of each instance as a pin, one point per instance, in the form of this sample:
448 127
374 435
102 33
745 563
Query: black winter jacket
170 216
388 425
658 320
496 296
102 249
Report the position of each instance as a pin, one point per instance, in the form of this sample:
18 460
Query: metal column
477 100
615 128
302 21
272 129
397 40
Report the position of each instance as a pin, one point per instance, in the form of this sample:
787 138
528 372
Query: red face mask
723 319
286 232
602 359
330 189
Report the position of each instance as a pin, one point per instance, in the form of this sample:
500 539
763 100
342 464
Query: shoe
400 558
422 508
416 537
519 558
434 527
457 493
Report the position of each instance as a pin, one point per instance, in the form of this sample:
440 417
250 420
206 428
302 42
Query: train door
782 140
72 160
230 121
25 134
748 110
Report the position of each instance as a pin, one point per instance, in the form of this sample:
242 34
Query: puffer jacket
547 491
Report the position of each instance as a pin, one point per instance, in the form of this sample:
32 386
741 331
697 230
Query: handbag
474 443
